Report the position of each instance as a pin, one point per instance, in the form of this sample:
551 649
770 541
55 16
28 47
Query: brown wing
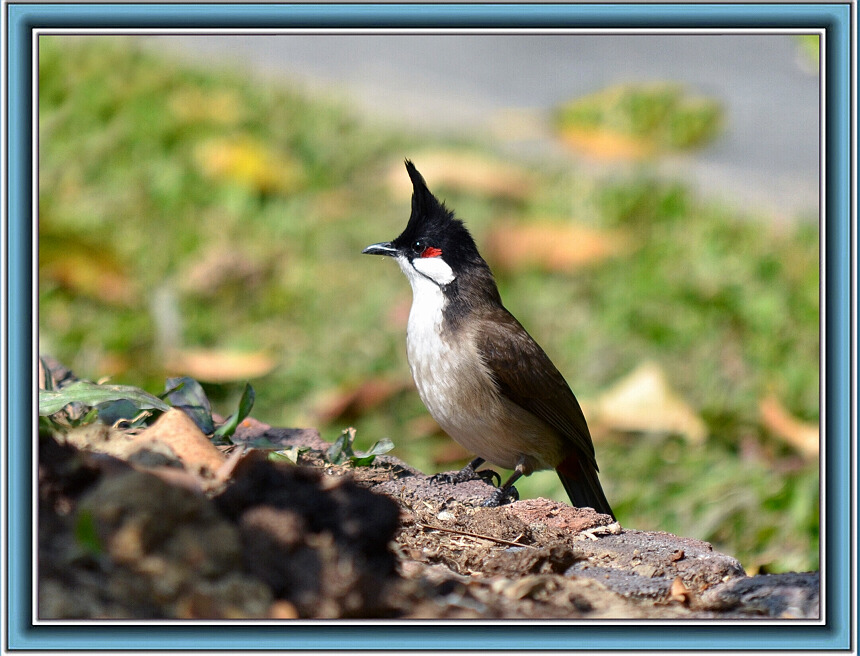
526 376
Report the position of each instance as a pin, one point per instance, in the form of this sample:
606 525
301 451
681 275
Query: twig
474 535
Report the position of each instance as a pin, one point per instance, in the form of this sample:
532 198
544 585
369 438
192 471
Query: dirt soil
162 524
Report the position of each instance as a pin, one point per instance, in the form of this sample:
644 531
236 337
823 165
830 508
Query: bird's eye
422 249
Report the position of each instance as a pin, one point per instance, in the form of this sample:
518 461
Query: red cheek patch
431 252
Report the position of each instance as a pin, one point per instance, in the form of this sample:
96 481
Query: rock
639 563
786 596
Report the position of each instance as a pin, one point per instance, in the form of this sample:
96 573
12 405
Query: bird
483 378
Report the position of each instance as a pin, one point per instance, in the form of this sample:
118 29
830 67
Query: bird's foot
502 496
448 477
468 473
461 476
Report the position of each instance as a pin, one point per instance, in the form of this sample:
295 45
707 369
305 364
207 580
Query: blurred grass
246 205
639 119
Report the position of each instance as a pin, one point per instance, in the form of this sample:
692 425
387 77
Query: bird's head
435 245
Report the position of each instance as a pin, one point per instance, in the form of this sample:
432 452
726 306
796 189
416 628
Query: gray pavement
503 87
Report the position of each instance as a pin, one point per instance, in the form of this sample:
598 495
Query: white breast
457 388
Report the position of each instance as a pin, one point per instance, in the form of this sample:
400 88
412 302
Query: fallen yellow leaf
605 145
801 435
643 402
551 246
176 429
218 366
88 269
249 162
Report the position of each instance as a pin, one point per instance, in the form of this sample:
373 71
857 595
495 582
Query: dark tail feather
582 485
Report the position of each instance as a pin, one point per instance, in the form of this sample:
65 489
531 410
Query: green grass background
726 303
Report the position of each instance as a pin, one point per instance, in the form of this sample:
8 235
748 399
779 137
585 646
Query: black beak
382 248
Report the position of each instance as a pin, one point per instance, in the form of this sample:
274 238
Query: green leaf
335 453
291 454
115 411
362 461
187 395
366 458
341 451
245 404
170 390
91 394
381 447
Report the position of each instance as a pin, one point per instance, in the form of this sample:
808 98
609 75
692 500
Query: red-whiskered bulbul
481 375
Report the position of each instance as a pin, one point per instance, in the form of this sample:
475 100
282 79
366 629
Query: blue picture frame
835 19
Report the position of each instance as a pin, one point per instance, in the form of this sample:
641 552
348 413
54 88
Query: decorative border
836 20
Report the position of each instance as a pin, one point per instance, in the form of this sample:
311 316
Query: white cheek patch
434 268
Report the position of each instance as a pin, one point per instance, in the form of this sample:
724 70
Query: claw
501 497
490 476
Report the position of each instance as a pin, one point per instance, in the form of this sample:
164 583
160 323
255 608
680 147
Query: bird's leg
468 473
507 492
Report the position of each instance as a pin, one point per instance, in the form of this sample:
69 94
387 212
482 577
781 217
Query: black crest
434 224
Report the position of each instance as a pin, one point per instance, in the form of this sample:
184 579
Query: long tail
579 478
